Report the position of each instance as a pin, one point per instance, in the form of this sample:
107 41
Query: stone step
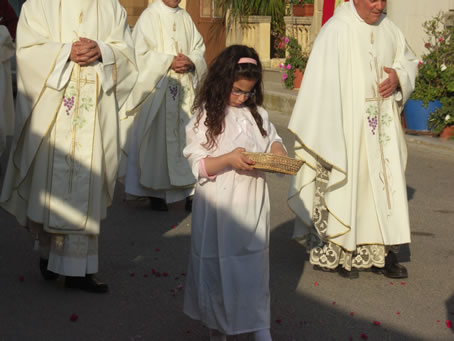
277 97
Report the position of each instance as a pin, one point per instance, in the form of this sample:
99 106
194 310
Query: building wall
409 15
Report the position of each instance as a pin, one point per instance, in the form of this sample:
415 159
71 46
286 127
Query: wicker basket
275 163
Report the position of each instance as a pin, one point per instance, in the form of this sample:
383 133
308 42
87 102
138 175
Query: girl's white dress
227 283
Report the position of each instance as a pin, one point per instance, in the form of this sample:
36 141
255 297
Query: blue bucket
416 115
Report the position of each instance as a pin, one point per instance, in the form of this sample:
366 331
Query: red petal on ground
448 324
183 274
376 323
364 336
174 226
352 313
157 249
438 321
21 278
132 274
391 283
350 338
398 313
165 274
316 284
73 317
334 302
153 271
403 283
278 320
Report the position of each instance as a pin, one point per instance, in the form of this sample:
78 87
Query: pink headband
247 60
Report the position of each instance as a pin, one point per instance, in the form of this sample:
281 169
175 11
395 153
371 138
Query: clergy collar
167 9
355 12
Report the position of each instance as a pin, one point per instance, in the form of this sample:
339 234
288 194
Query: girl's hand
239 161
278 149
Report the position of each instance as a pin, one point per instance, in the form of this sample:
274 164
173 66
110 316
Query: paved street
136 244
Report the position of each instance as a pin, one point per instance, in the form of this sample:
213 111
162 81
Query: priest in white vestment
170 58
350 197
76 66
7 50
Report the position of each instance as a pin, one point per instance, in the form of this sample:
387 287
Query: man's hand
387 87
85 51
182 64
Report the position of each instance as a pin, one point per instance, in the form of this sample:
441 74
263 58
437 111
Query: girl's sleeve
194 151
271 131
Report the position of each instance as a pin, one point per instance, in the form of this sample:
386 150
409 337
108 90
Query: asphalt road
137 243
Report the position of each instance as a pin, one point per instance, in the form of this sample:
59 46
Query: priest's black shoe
88 283
392 267
352 274
158 204
323 268
188 204
47 275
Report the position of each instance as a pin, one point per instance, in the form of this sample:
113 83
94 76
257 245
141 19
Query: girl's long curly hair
214 93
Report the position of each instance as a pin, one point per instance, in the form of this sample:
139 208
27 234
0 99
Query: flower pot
305 10
416 115
447 132
298 79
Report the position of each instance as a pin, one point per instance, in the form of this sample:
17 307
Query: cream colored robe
7 50
161 102
353 183
63 165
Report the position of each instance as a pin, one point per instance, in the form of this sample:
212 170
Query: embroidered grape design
173 91
372 123
68 102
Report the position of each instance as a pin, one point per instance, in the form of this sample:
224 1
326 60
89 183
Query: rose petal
391 283
73 318
157 249
438 321
278 320
364 336
174 226
398 313
448 324
352 313
376 323
403 283
183 274
132 274
165 274
334 302
21 278
153 271
316 284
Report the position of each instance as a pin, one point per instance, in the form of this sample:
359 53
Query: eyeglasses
239 92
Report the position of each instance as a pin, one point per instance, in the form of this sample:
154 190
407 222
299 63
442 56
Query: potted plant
441 121
294 64
302 8
435 81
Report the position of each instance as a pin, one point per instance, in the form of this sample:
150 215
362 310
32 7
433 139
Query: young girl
227 284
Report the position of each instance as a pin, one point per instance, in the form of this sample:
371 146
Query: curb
429 141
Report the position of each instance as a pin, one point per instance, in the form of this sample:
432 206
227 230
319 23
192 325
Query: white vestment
161 104
228 275
64 160
352 186
7 50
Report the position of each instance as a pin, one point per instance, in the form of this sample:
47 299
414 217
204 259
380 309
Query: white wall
409 15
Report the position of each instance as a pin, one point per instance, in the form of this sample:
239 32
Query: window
208 9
